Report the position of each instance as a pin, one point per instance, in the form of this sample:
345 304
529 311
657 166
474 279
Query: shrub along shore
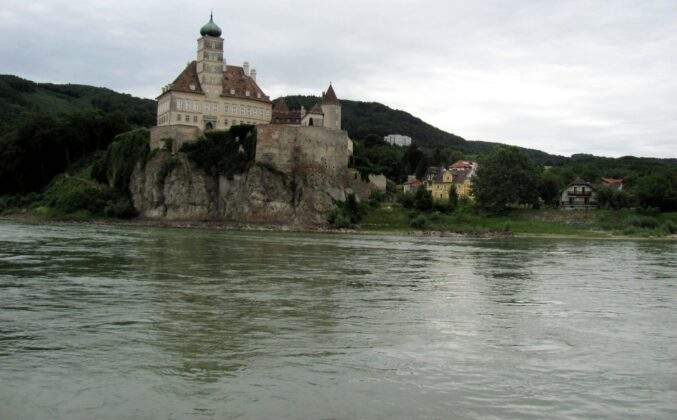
393 219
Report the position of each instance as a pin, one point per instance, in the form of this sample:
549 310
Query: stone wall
287 148
179 133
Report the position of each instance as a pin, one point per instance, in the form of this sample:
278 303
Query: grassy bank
597 223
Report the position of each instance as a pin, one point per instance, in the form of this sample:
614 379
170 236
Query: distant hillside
20 98
363 118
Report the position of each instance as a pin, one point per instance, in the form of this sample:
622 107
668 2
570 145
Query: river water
116 322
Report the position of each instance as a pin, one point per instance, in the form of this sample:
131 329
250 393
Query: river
124 322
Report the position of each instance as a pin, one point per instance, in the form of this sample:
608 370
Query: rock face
297 176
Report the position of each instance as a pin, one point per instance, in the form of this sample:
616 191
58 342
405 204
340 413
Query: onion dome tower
210 28
210 64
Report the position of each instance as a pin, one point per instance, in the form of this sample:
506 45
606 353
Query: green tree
549 188
422 167
412 157
505 177
453 199
659 191
423 199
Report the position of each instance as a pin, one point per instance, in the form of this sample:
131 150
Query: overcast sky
561 76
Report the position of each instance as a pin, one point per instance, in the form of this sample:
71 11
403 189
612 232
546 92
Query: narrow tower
210 59
331 108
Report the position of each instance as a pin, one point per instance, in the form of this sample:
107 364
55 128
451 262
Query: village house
579 195
463 171
440 180
613 183
411 185
440 184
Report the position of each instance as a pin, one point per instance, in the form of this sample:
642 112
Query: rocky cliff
297 176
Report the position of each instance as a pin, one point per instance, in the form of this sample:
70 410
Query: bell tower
210 62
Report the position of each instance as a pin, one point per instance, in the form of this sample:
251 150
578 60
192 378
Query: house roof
460 164
580 181
187 78
234 79
613 181
316 109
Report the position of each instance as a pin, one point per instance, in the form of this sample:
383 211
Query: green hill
363 118
20 98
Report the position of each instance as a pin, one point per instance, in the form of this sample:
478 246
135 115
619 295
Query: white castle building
209 94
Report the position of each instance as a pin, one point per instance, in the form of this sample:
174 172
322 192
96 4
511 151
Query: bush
419 222
645 222
406 200
69 194
347 213
376 198
224 152
423 199
671 227
120 208
121 158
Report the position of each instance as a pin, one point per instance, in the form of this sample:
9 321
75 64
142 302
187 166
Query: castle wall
179 133
293 148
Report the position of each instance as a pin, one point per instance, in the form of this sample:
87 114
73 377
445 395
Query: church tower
210 63
331 108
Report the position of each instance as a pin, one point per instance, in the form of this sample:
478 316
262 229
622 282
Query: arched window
209 126
311 122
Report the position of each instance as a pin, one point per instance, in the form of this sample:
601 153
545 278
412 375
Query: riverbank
393 220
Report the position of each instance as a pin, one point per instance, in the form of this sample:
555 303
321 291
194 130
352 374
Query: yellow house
463 186
440 185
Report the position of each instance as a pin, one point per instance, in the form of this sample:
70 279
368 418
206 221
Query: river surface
118 322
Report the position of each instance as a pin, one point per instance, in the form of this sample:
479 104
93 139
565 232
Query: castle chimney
245 67
253 74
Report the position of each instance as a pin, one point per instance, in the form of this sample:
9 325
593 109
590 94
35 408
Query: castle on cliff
210 94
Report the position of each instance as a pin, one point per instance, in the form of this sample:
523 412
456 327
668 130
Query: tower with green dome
210 63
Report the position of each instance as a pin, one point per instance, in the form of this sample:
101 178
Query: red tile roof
234 79
613 181
187 78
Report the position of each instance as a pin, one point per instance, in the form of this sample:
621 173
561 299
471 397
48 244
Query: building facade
579 195
209 94
397 140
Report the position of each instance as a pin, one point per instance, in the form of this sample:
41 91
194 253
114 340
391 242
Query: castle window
232 91
246 93
187 118
195 118
178 117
